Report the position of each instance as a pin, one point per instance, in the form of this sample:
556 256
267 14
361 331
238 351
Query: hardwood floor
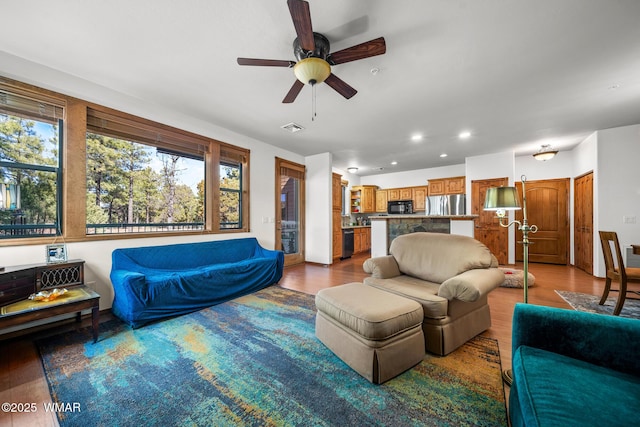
22 378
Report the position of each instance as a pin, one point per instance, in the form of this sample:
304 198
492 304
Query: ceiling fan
312 50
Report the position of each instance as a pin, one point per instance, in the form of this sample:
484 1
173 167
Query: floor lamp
501 200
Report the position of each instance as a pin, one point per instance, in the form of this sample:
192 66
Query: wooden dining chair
616 269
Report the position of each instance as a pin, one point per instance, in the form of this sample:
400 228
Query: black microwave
400 207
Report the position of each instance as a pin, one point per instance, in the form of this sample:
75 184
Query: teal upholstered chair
572 368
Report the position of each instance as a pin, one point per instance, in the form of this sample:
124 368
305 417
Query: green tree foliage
124 186
21 143
229 194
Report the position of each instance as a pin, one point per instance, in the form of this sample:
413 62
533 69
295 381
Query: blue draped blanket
155 282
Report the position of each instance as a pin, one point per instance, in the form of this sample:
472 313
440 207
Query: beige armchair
449 275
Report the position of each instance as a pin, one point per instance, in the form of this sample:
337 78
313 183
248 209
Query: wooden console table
18 282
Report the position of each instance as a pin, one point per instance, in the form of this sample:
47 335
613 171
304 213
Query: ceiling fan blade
301 17
266 62
340 86
363 50
293 92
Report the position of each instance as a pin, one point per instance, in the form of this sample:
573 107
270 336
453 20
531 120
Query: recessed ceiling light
443 155
394 163
464 134
417 137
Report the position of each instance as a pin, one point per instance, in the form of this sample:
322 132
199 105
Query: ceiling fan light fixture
545 153
312 70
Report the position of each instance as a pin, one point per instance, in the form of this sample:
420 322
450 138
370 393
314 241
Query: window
230 195
30 169
231 186
134 188
121 174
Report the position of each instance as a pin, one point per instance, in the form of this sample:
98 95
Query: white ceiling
516 73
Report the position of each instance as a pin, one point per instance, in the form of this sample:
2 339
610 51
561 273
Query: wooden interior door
547 208
290 200
583 222
487 227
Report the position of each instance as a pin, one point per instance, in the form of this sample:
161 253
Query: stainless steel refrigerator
451 204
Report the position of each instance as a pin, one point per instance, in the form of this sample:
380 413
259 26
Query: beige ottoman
376 333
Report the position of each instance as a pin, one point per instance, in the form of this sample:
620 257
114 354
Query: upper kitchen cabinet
454 185
419 196
363 199
394 194
381 201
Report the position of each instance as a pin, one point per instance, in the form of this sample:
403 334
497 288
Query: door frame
281 166
502 254
535 185
578 203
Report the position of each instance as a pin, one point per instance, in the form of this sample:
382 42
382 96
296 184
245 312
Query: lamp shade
312 70
501 198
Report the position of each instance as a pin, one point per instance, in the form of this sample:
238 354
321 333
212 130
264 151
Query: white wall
318 226
412 178
618 186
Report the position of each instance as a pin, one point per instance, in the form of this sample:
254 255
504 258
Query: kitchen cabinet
363 199
357 241
453 185
336 215
417 194
419 197
381 201
366 239
361 239
404 193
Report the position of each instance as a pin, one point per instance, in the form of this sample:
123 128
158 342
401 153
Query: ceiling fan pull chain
313 102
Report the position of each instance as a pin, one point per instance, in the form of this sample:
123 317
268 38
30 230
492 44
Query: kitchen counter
416 216
385 228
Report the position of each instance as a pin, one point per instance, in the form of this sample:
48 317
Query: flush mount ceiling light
545 153
443 155
352 169
464 134
417 137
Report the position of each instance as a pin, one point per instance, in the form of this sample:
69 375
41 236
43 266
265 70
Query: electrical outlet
629 219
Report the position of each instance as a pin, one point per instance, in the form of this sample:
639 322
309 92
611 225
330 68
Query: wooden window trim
76 114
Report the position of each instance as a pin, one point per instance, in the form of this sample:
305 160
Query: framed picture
56 253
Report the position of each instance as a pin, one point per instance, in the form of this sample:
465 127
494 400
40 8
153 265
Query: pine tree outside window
139 188
30 168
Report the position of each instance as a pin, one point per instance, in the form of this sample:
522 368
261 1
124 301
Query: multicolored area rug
256 361
586 302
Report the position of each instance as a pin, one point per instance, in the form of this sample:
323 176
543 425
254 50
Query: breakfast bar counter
385 228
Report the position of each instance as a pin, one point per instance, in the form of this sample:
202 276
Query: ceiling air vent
292 127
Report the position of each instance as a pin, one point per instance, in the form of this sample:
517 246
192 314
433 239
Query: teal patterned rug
586 302
256 361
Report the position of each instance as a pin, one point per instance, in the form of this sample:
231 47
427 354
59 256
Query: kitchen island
385 228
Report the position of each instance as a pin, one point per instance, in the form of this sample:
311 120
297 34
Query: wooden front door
583 222
487 228
547 208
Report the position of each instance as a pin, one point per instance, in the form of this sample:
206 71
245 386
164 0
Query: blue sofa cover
155 282
572 368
